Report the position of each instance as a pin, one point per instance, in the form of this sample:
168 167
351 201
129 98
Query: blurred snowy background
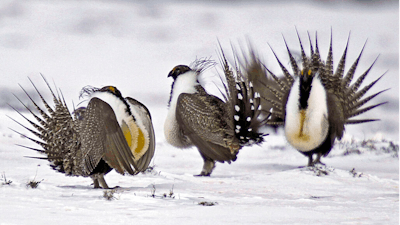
133 45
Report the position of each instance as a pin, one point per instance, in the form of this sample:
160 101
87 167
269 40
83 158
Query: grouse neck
184 83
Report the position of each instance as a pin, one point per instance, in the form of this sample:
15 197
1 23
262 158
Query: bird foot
203 174
208 167
313 164
99 182
106 188
316 162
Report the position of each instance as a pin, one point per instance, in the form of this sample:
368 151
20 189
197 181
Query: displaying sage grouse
111 132
219 129
315 102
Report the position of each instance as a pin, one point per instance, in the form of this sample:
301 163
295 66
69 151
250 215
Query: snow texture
133 45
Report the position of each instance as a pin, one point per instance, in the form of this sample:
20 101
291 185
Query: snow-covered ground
133 45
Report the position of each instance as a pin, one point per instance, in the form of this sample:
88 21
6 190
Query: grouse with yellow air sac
316 102
111 132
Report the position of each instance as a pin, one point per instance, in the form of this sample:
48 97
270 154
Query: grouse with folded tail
219 129
111 132
316 103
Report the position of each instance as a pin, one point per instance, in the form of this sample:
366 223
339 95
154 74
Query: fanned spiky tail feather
337 82
56 131
244 104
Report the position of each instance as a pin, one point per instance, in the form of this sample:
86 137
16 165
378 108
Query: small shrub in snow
165 195
33 184
153 192
204 203
355 173
368 146
109 194
392 148
350 151
150 170
171 193
321 170
5 181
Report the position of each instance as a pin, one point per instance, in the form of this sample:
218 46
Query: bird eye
309 72
302 72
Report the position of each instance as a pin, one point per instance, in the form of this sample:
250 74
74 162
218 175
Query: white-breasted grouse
110 132
218 128
316 102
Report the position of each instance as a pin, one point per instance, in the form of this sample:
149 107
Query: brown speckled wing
203 120
102 138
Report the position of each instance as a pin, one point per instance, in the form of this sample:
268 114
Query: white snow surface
133 45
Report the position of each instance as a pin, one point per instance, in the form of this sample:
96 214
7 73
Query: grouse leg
208 167
318 160
95 181
102 181
99 182
310 160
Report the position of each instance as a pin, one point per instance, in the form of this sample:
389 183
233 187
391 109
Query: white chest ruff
173 133
185 83
307 129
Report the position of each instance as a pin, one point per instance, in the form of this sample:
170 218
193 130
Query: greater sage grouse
219 129
316 102
111 132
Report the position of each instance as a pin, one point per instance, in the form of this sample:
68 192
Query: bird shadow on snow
272 167
280 167
78 187
90 187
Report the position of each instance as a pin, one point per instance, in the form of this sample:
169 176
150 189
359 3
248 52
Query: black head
178 70
111 89
306 78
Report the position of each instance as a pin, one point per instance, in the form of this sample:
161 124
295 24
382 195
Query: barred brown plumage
111 132
218 128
